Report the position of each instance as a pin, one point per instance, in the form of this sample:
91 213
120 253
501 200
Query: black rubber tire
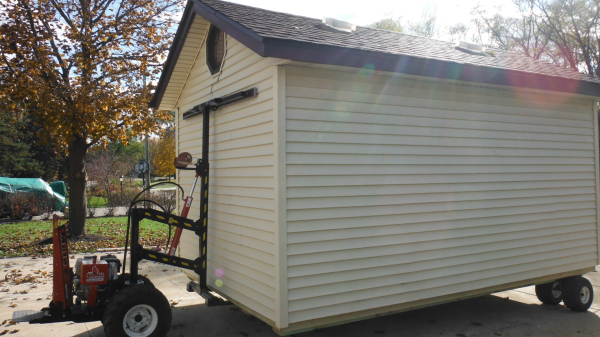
578 293
144 279
547 293
131 297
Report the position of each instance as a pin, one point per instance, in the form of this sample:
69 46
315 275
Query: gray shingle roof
276 25
298 38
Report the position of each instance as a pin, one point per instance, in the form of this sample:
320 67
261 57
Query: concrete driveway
511 313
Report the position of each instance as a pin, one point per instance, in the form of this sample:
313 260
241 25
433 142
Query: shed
372 172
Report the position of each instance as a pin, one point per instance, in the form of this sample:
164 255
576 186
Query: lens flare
219 283
367 71
219 273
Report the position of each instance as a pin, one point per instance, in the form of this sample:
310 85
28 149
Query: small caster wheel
578 293
137 311
549 293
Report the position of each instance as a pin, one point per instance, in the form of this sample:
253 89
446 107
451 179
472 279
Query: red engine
92 277
93 272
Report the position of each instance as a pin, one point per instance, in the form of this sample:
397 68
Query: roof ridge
320 20
254 8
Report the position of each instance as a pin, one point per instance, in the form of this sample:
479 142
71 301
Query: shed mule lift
129 304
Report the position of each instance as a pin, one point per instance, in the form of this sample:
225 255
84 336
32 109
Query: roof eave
410 65
232 28
180 36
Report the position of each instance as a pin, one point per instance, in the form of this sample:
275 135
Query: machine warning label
94 276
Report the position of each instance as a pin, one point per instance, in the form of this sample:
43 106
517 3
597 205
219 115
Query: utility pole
148 160
147 174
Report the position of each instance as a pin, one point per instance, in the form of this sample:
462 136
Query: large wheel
578 293
137 311
549 293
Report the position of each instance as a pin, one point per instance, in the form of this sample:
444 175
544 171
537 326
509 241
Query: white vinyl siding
241 190
400 190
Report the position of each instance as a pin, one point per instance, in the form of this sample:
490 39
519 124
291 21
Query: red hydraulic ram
182 161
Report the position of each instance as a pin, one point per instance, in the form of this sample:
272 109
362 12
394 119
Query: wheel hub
584 295
140 321
556 292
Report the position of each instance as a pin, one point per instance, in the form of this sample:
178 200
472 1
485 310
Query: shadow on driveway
492 315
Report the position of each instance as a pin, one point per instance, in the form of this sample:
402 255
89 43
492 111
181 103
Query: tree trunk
77 182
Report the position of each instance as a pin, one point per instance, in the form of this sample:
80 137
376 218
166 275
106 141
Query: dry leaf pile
16 277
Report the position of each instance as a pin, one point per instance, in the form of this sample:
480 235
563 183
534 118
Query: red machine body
91 273
61 286
94 272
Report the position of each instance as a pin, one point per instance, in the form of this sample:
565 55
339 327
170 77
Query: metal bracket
211 300
168 259
169 219
217 103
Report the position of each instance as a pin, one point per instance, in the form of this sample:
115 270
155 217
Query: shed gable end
189 53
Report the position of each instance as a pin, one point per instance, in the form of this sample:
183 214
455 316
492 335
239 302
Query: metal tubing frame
138 252
200 226
203 173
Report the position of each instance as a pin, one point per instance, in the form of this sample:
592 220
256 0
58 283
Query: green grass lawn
160 187
19 239
94 201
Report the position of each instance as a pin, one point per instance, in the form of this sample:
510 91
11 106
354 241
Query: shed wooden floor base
366 314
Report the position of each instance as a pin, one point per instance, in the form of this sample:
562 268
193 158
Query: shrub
4 210
128 195
167 199
20 205
113 201
43 205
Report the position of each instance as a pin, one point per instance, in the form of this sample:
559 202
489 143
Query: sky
362 13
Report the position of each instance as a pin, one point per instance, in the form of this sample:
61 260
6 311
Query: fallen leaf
13 305
4 332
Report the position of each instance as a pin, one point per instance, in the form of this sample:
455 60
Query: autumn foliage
78 67
162 157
